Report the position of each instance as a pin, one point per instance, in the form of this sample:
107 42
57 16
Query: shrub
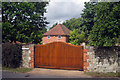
77 37
11 55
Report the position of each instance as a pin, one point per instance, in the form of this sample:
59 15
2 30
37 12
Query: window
48 37
59 37
44 43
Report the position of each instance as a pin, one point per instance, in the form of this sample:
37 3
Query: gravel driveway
59 72
45 73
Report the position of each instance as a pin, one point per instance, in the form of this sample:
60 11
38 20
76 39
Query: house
57 34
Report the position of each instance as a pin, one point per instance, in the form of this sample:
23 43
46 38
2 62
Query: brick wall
54 39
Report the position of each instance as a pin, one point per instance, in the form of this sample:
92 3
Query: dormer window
48 37
59 36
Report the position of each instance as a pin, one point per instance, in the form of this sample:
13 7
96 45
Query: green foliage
106 28
108 74
100 23
88 17
73 23
23 21
22 70
76 37
11 55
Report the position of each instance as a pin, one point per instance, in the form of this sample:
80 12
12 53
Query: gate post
28 56
32 56
85 57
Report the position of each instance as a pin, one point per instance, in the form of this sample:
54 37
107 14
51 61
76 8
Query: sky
61 10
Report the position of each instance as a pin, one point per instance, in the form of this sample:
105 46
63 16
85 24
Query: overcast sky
61 10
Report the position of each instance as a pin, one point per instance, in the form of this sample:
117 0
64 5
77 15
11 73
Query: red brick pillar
32 56
86 64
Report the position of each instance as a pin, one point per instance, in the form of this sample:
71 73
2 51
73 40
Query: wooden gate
59 55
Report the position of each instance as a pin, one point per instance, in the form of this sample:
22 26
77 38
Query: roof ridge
59 29
66 29
62 29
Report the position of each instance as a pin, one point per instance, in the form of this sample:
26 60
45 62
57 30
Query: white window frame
59 37
48 37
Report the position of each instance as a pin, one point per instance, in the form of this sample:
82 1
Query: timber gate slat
59 55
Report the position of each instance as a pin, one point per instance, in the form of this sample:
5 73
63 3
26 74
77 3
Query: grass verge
109 74
22 70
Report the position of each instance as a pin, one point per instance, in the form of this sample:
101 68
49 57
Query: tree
76 37
73 23
23 21
106 28
88 17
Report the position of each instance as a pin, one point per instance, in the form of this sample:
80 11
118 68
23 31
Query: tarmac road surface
50 73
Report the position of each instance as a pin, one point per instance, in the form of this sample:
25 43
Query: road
49 73
10 74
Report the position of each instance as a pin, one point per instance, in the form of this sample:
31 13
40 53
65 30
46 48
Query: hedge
11 55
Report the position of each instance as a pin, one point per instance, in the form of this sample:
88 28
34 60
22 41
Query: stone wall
96 59
28 56
101 59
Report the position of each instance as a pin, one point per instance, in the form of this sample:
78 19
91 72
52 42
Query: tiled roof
58 30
